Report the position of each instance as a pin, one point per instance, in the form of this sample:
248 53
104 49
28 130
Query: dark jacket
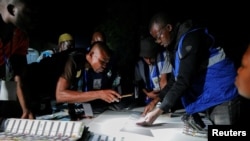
195 57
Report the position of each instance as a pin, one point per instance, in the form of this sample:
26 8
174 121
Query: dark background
81 17
124 21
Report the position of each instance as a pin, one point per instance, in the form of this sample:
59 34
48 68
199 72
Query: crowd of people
180 61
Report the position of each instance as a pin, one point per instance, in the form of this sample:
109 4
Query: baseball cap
148 48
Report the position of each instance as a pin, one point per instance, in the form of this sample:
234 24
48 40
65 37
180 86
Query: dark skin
242 80
97 36
162 36
16 12
153 94
9 33
24 14
97 60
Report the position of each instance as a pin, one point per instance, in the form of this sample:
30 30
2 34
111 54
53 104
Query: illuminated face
97 37
65 45
99 60
161 34
242 81
149 61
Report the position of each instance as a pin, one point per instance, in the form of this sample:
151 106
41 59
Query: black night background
124 21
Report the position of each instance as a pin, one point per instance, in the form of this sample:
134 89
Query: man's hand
110 96
27 115
150 106
151 94
149 119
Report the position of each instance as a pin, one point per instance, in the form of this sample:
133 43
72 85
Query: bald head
98 36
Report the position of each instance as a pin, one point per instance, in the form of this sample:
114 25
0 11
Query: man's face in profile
243 77
99 59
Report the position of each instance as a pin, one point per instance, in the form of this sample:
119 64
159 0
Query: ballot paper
27 129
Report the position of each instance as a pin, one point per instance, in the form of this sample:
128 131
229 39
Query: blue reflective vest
213 86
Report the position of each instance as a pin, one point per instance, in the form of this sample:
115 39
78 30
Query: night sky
83 16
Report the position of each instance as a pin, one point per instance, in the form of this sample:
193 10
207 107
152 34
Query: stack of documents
27 129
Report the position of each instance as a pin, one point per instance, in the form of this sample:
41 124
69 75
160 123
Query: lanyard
86 80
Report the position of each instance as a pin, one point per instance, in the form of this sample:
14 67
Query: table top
122 124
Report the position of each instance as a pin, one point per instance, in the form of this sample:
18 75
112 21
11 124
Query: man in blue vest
151 72
202 74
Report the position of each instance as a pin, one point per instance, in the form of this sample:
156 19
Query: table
121 124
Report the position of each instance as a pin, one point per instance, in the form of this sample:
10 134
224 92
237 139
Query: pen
126 95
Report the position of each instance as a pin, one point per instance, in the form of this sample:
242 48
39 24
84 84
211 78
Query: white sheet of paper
88 109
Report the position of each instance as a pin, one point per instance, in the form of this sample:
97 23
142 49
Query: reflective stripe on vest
211 87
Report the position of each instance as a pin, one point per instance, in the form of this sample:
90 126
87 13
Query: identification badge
156 83
97 83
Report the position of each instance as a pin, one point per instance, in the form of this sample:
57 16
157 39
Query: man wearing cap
151 72
65 42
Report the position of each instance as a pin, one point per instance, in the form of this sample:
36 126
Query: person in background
65 42
98 36
151 72
32 55
202 74
13 49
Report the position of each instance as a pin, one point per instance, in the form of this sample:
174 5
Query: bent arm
187 69
26 111
163 80
64 94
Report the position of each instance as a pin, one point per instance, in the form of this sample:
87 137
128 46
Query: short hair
101 33
103 46
162 18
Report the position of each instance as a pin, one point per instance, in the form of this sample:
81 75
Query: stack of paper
27 129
